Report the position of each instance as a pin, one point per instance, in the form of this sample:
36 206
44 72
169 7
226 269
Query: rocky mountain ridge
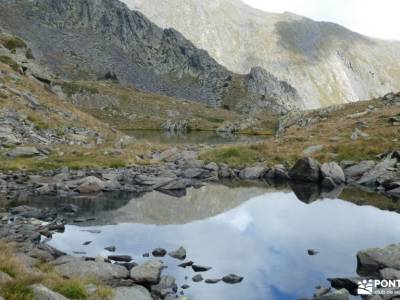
89 39
327 63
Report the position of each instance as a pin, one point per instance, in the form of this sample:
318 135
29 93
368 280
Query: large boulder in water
148 272
306 170
371 261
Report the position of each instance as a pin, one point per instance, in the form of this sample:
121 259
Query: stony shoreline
179 170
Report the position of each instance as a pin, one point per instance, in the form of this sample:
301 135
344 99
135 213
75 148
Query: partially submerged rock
148 272
306 170
178 254
371 261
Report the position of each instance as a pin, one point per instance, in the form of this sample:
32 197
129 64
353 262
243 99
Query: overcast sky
378 18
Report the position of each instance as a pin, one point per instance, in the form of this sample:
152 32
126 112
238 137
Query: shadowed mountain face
325 62
82 39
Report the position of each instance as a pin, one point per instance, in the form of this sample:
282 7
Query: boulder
232 279
194 173
120 258
70 266
135 292
197 278
371 177
166 286
277 173
148 272
23 152
334 171
178 254
159 252
356 171
349 284
40 292
252 173
371 261
307 170
91 185
395 193
198 268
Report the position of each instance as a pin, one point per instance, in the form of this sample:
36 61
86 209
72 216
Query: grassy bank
333 133
22 277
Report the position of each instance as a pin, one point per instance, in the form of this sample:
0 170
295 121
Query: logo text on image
365 287
371 286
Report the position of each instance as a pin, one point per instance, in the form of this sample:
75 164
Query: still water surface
260 233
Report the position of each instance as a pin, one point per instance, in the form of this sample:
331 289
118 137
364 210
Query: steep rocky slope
325 62
89 39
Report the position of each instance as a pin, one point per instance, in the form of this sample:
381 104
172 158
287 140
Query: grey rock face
98 35
356 171
136 292
301 51
40 292
371 261
371 177
148 272
75 267
334 171
306 169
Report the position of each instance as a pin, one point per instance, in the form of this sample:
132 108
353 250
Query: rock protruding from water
306 170
180 253
148 272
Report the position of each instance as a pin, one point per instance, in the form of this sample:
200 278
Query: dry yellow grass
383 137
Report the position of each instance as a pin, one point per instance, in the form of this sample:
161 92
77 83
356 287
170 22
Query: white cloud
370 17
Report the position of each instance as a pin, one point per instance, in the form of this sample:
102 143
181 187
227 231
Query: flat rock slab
23 152
135 292
76 267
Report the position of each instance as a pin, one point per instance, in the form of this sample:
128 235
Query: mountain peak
325 62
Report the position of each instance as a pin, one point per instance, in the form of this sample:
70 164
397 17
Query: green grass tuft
12 43
9 61
73 289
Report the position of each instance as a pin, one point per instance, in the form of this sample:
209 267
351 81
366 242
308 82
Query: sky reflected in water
264 239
